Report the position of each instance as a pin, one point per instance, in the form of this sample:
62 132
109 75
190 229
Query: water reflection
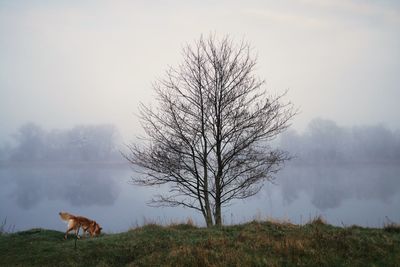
32 196
329 185
79 186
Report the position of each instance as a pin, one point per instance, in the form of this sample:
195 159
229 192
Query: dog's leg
77 232
87 232
68 230
83 232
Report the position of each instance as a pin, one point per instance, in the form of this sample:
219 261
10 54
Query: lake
31 195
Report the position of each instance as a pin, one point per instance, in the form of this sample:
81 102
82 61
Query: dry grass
318 220
392 227
4 229
257 243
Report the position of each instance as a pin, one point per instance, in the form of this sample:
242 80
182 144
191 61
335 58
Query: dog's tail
66 216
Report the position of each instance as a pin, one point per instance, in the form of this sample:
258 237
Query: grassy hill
251 244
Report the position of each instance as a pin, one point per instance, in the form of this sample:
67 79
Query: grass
258 243
4 228
391 226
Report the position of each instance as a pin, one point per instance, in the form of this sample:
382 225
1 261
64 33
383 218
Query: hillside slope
251 244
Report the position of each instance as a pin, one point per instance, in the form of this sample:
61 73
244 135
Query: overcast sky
64 63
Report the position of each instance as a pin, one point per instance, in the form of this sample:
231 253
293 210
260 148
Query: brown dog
75 222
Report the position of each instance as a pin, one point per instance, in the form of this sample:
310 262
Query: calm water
31 196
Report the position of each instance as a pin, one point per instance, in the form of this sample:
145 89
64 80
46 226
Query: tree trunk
218 218
207 206
208 219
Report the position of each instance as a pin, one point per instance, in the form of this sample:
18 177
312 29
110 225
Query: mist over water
32 195
90 62
349 175
330 185
77 186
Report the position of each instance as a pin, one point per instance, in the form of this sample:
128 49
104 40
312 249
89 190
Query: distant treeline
81 143
324 140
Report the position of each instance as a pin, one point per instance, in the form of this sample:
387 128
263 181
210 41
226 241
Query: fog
72 74
323 141
85 186
81 143
65 63
332 163
350 175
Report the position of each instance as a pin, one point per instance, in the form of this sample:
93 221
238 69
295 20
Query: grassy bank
251 244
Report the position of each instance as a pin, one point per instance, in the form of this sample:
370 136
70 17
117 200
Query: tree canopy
208 137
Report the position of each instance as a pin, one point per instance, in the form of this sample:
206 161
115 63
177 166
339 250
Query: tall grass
256 243
4 228
391 226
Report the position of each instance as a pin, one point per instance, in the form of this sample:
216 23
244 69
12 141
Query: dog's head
95 229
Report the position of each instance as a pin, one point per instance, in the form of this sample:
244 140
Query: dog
76 222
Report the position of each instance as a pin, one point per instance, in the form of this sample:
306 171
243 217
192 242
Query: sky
65 63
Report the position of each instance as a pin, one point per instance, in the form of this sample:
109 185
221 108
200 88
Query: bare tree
208 137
